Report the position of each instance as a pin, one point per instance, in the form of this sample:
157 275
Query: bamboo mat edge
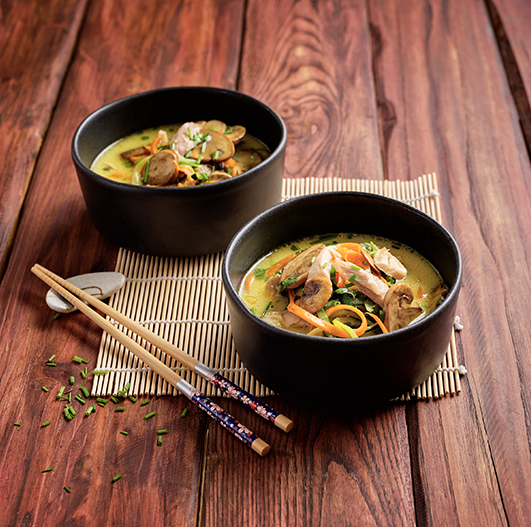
183 301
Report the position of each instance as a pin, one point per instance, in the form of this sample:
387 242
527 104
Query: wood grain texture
332 469
320 82
37 40
177 44
454 110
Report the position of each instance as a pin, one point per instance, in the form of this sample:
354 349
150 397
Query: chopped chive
84 373
47 470
120 408
62 397
67 489
18 424
60 392
159 441
132 398
90 409
116 478
69 397
101 400
102 405
85 391
51 358
185 411
124 432
123 393
45 389
146 171
72 380
149 416
99 372
79 360
56 316
163 431
51 364
78 398
69 412
114 399
46 423
144 402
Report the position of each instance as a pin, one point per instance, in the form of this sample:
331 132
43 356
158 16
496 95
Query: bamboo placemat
182 300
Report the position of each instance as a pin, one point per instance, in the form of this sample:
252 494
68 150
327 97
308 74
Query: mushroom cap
300 265
399 306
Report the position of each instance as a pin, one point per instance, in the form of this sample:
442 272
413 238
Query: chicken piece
389 264
400 307
300 265
316 293
181 141
366 283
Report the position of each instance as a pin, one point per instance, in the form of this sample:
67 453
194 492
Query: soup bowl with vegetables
177 171
342 296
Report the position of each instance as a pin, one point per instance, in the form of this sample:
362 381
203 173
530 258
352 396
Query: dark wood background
368 89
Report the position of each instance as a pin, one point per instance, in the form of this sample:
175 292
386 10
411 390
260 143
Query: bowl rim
226 184
401 333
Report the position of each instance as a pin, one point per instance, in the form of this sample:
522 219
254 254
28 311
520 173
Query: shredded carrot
134 159
313 319
248 280
419 291
280 264
363 326
379 322
155 143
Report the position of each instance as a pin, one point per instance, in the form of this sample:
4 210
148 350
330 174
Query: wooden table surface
376 89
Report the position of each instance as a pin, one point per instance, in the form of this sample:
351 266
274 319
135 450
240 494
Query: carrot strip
134 159
279 265
248 280
230 163
379 322
363 326
154 144
313 319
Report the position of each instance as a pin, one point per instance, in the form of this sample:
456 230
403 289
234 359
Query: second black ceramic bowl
355 371
171 221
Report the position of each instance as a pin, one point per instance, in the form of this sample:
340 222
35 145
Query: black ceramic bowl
355 371
187 221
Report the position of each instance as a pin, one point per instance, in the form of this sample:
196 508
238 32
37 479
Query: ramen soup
343 285
181 155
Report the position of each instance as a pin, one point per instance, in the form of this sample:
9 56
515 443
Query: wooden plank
511 20
321 84
333 468
37 40
177 44
454 115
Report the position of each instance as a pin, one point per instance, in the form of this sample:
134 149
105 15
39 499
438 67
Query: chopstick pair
77 297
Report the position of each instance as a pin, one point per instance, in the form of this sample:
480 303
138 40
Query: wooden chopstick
194 395
261 408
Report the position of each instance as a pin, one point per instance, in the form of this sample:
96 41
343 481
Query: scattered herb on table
116 478
45 424
68 489
47 470
149 416
185 411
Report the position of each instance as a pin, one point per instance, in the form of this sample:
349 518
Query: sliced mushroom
217 126
218 148
300 265
316 293
218 175
140 151
399 307
235 133
247 159
161 168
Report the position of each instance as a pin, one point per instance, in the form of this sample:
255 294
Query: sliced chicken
181 141
389 264
366 283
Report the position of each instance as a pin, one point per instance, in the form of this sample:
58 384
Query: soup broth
187 155
357 285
